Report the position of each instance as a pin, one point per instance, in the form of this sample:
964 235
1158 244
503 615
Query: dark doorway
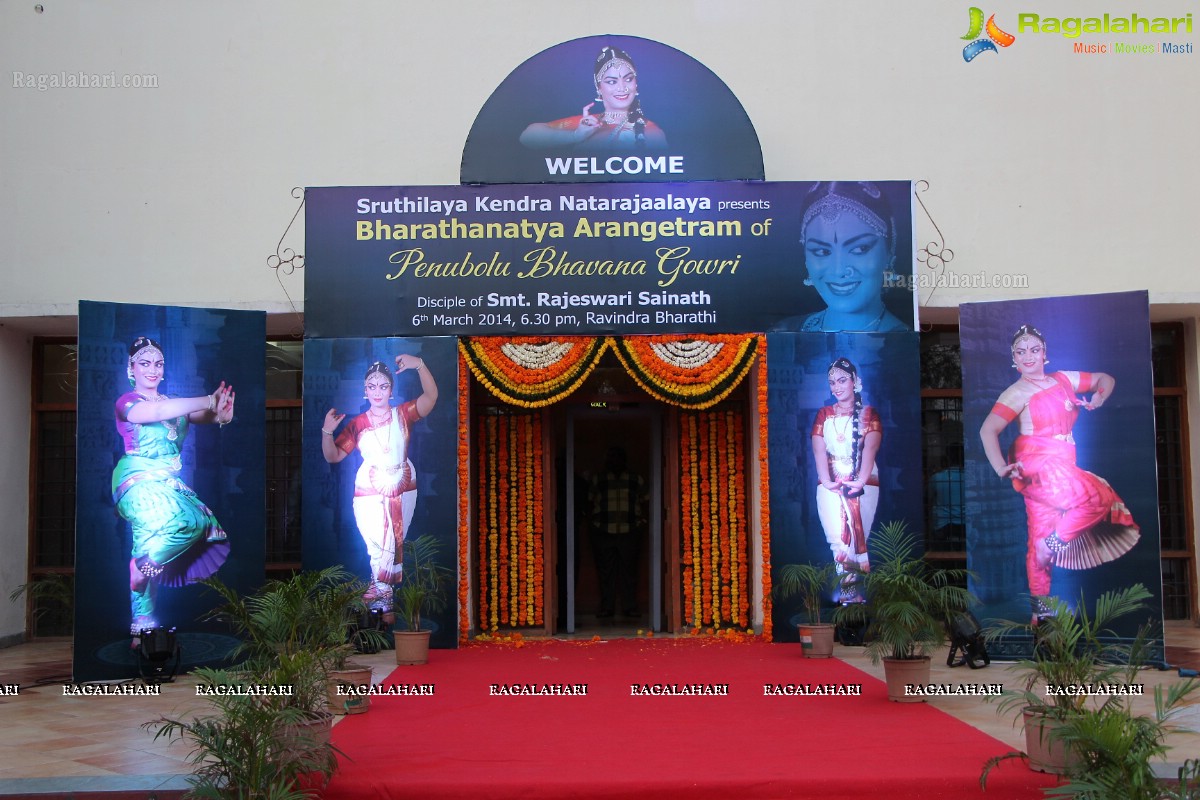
588 434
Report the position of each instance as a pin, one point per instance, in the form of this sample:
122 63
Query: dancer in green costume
176 538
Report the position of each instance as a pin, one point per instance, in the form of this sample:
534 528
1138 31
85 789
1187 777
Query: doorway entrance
533 561
593 597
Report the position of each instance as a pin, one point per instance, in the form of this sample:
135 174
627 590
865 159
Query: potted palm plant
51 597
1071 648
814 584
333 604
248 747
1115 748
421 592
297 629
907 603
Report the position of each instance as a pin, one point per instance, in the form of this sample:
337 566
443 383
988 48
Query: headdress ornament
1028 330
378 368
832 206
845 365
611 57
141 345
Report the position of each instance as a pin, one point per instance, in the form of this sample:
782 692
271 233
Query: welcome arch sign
602 208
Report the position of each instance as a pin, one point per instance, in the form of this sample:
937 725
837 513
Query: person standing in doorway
618 523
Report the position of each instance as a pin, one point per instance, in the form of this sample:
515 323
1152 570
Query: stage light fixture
156 649
966 637
370 620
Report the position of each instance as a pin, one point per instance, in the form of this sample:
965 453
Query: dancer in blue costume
176 538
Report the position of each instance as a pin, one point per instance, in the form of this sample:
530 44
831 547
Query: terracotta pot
899 672
1046 753
412 647
353 675
816 640
303 736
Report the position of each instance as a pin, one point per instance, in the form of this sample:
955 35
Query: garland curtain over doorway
693 372
511 562
683 370
716 563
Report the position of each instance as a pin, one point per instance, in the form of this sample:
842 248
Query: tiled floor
1183 639
51 744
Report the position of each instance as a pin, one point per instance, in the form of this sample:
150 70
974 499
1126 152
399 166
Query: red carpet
461 742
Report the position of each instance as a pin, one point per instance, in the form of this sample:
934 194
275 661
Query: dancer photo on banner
849 236
620 123
1060 438
385 485
176 538
380 458
185 475
845 437
611 108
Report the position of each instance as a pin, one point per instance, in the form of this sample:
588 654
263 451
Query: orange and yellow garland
694 372
464 501
530 371
764 479
510 558
716 558
691 371
686 370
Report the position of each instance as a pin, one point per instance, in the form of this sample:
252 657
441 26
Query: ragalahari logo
995 36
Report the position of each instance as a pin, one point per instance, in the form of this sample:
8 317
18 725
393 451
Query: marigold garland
689 382
501 367
491 531
511 568
726 466
764 480
712 489
684 370
464 502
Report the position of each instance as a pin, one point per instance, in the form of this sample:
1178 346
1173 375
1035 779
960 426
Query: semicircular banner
611 108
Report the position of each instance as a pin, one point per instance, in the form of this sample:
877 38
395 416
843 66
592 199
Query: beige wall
1079 172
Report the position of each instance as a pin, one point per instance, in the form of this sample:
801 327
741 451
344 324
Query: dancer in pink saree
1076 520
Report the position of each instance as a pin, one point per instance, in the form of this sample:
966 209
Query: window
52 479
942 446
285 363
1174 502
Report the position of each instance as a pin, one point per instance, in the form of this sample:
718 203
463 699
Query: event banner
380 465
845 460
562 115
170 478
619 258
1061 486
